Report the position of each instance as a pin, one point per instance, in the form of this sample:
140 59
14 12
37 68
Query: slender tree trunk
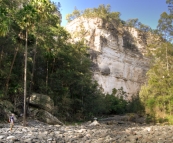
8 78
167 67
164 110
25 78
47 72
32 75
1 56
53 65
170 108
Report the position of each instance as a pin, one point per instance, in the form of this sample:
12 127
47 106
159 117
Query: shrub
115 105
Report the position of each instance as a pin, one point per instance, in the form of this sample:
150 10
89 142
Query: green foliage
71 84
115 105
27 17
103 12
135 105
138 25
165 26
4 21
156 94
76 13
7 11
132 22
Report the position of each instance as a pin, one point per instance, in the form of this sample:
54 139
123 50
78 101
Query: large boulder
6 109
42 101
45 117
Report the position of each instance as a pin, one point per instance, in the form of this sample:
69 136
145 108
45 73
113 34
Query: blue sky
147 11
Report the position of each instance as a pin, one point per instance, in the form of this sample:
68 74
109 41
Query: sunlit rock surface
117 53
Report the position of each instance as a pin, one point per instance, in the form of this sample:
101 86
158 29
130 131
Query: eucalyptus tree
165 27
26 18
29 17
43 32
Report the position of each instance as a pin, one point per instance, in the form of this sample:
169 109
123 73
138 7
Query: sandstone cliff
117 53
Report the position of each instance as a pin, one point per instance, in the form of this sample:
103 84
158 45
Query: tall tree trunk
32 74
1 56
169 108
8 78
47 72
25 79
53 66
167 66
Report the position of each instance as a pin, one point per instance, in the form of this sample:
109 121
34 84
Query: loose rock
87 133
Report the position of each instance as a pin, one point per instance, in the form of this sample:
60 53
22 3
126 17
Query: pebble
93 132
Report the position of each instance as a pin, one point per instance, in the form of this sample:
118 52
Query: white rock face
117 54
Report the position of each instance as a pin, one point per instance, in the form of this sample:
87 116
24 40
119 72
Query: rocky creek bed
90 132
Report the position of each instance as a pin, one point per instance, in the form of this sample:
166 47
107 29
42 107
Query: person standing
11 120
